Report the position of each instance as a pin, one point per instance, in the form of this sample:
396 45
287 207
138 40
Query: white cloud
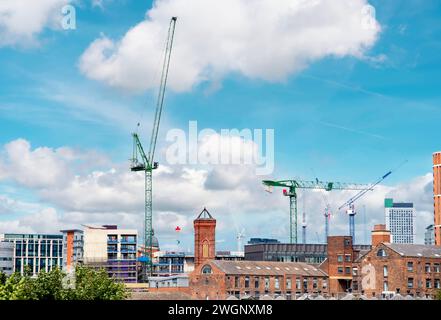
260 39
22 20
233 194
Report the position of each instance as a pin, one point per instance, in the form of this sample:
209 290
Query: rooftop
267 268
416 250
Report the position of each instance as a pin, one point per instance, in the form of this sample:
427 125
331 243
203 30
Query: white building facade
400 220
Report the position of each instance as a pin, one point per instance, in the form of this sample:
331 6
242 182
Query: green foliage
2 278
89 284
438 295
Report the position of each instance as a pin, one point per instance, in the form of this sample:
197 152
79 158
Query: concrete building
437 196
400 220
6 257
429 235
285 252
73 245
112 249
38 251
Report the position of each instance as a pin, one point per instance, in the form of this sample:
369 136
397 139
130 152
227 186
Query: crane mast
148 165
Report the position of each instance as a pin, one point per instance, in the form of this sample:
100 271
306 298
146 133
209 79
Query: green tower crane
147 163
291 192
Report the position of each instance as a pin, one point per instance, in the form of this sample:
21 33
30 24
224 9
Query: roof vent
237 267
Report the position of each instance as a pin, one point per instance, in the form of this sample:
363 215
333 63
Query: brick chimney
380 235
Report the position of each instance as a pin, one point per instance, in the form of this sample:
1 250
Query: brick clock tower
204 238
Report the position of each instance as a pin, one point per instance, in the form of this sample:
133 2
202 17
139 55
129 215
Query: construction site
299 251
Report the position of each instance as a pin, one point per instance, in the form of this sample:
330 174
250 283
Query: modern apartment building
400 220
112 249
73 244
38 251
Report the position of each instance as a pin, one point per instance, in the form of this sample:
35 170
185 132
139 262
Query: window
409 283
206 269
324 284
314 283
267 283
276 283
288 283
410 266
436 267
385 286
205 249
437 284
340 258
340 269
427 268
256 282
348 258
385 271
305 283
298 284
247 282
355 271
381 253
348 270
236 282
428 283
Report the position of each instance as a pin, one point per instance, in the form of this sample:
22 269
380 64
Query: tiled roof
269 268
416 250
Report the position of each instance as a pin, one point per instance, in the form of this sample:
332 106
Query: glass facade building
37 251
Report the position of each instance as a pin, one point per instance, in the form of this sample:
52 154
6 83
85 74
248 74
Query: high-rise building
437 196
204 238
38 251
429 235
400 220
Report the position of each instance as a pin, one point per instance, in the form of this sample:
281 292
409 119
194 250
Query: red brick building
408 269
219 279
386 269
340 264
204 238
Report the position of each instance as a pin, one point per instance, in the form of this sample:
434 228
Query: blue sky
342 118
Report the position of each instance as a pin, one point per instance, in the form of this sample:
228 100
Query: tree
2 278
89 284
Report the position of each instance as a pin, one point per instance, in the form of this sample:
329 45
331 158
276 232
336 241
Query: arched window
381 253
205 249
206 269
